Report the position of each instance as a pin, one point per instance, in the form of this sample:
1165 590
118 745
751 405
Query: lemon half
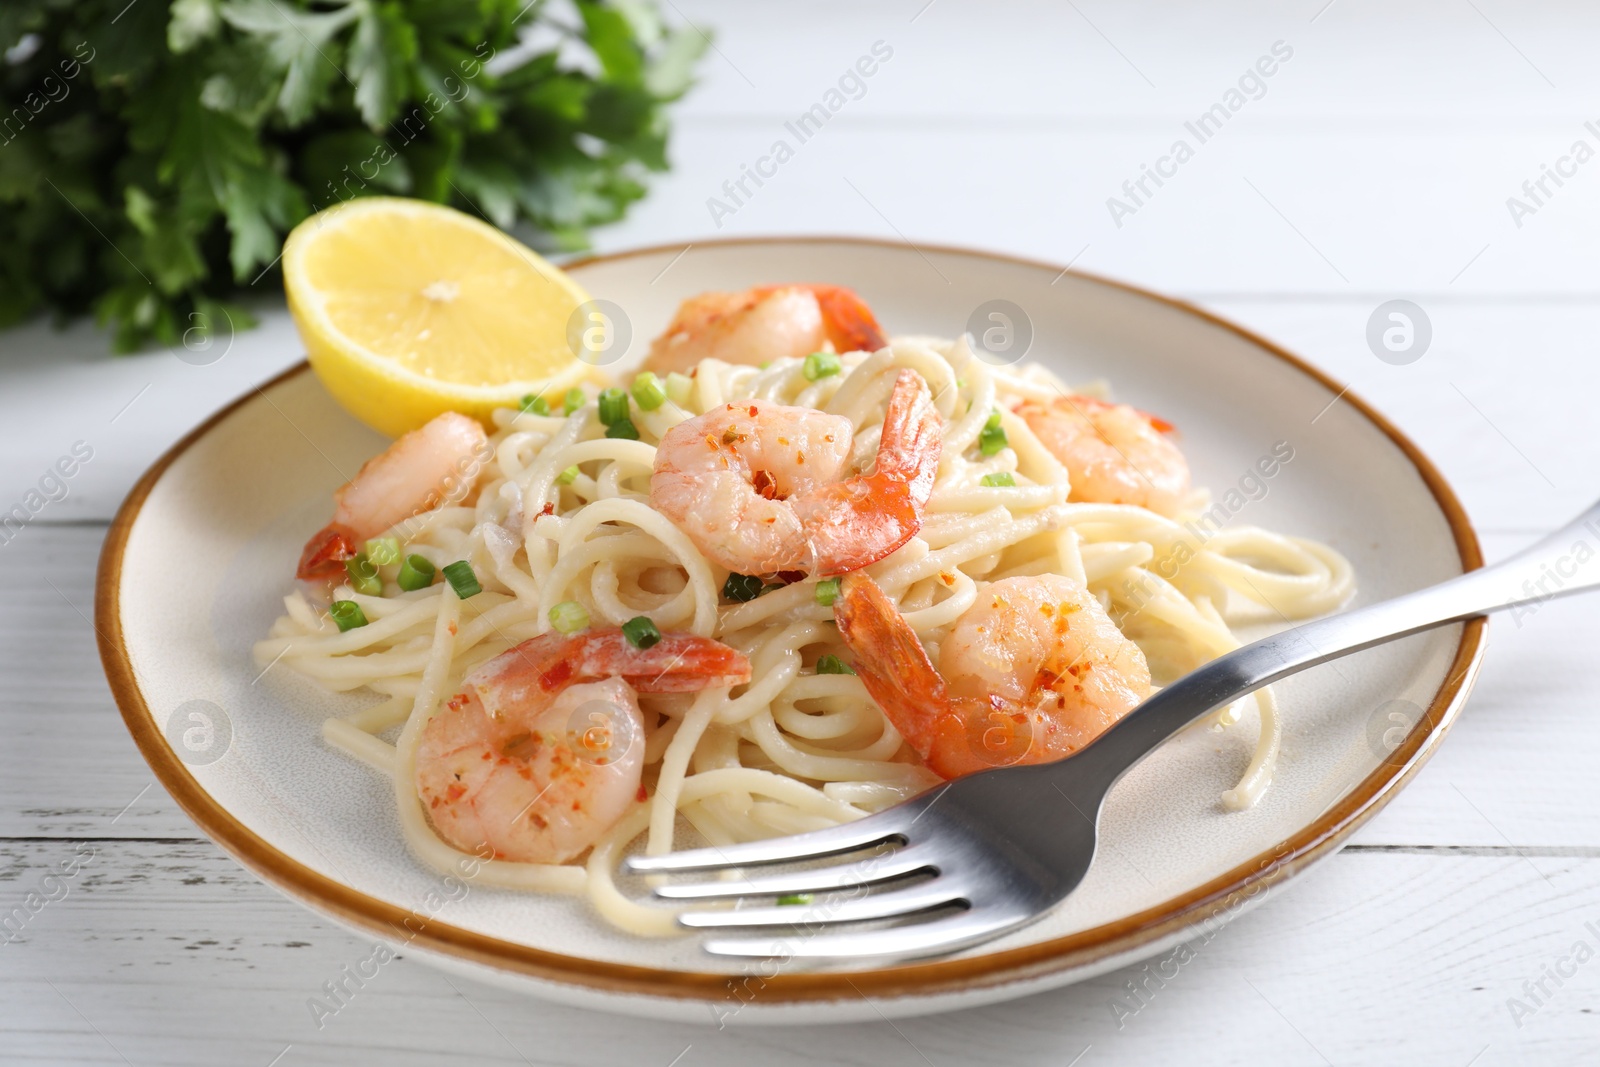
409 309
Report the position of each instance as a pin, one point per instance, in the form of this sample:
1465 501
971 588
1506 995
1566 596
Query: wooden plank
167 953
1032 60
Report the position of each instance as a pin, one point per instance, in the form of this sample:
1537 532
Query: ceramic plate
202 552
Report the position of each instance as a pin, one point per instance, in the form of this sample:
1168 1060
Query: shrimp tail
855 523
326 551
912 437
891 662
849 322
541 667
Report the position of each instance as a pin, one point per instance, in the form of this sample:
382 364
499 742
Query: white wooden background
1377 165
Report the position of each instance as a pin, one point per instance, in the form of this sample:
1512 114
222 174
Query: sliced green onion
347 615
827 592
623 429
574 400
821 365
1002 480
790 899
363 575
462 579
415 573
569 617
568 476
537 405
613 405
833 665
641 632
679 386
992 438
383 551
743 587
647 391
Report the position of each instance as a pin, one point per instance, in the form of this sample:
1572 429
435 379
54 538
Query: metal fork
977 857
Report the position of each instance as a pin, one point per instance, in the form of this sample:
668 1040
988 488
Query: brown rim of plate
1222 895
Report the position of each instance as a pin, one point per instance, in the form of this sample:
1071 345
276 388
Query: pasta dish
789 574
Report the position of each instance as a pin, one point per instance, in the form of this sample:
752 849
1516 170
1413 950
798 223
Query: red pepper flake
549 508
642 795
754 411
764 484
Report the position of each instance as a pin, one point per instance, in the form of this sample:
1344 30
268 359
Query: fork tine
908 941
849 837
876 906
866 871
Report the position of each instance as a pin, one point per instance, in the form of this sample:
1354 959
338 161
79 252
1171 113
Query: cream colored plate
204 548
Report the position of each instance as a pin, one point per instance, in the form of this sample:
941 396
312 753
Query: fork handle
1558 565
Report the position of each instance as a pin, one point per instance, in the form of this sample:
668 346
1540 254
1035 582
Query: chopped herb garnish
647 391
743 587
536 405
383 551
415 573
791 899
613 405
623 430
569 617
992 438
1002 480
568 476
833 665
827 592
363 575
462 579
641 632
347 615
679 386
574 400
821 365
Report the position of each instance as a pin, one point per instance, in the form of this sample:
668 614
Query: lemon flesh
409 309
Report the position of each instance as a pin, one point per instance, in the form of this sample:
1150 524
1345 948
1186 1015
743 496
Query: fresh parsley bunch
153 154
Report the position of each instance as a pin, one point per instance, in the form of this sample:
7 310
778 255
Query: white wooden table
1376 164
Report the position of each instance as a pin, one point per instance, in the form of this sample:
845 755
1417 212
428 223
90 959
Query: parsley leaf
149 171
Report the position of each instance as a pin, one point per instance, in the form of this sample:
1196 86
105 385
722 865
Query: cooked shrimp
756 485
765 323
1031 673
420 471
1114 454
542 750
